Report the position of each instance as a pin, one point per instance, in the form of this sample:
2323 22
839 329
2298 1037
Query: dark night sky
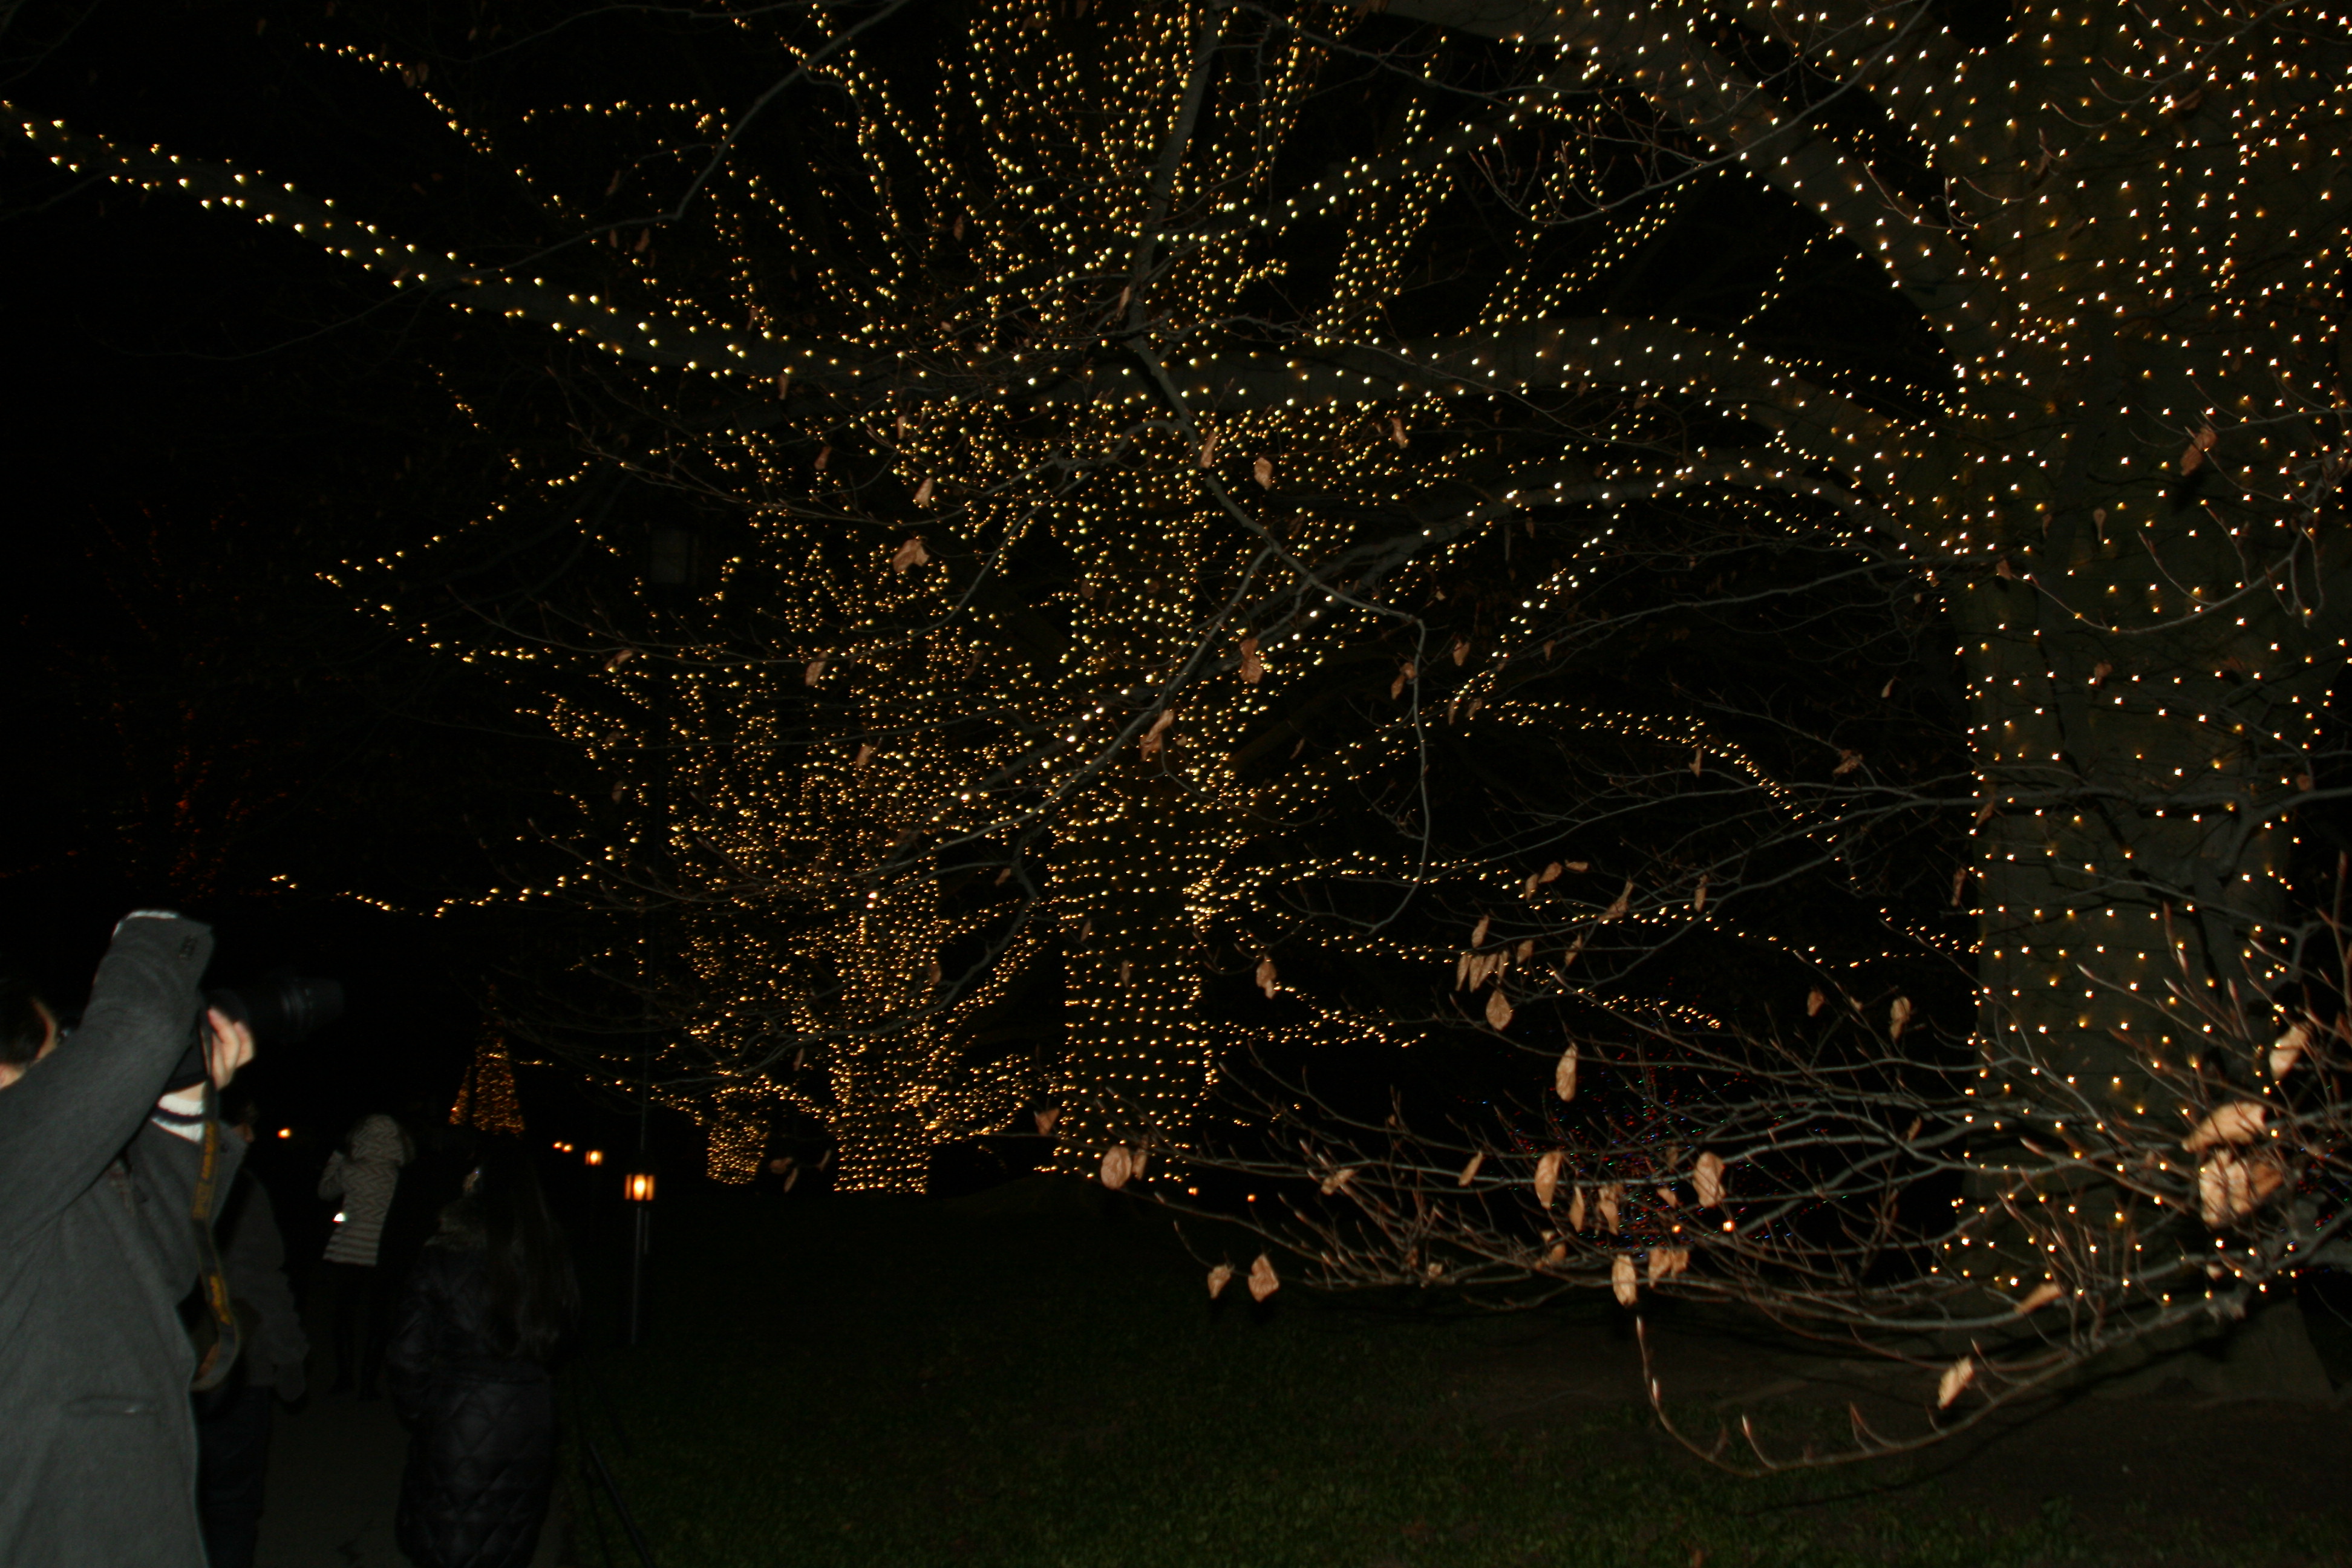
207 415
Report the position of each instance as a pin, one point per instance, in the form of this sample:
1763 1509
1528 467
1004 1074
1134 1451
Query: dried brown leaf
1707 1180
1338 1179
815 670
2040 1296
1046 1118
2228 1186
1576 1210
1665 1262
1564 1073
1623 901
2238 1122
1470 1171
1815 1002
1262 471
1956 1376
1262 1282
1154 738
1268 981
1622 1282
1219 1277
923 491
1898 1017
1252 667
864 754
2288 1049
1478 932
1613 1194
1547 1175
1498 1009
1118 1165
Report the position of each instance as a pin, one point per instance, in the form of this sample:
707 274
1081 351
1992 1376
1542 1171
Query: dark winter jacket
481 1450
253 1257
96 1248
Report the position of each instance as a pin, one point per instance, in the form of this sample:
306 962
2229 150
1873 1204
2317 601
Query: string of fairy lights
2130 277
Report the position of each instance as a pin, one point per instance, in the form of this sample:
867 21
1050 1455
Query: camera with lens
281 1009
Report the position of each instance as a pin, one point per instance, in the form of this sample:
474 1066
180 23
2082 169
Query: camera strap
217 1335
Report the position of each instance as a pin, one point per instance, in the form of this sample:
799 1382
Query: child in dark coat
487 1308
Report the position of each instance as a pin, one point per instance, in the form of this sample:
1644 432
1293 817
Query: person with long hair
491 1305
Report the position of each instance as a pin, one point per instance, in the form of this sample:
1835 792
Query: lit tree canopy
1094 385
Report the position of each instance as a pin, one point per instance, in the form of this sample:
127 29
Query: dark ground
1028 1379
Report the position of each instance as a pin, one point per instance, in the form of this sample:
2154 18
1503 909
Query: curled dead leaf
2040 1296
1548 1174
2230 1186
1262 471
1118 1165
1707 1180
1847 763
2288 1049
1623 901
1262 1282
1478 932
1046 1118
1404 673
1396 429
815 670
1576 1210
864 754
1208 450
923 491
620 657
1699 897
1267 981
1219 1277
1252 667
1665 1262
1698 760
1498 1009
1898 1017
1815 1002
909 554
1622 1280
1461 650
1613 1194
1564 1073
1338 1179
2199 445
1154 738
2239 1123
1470 1171
1956 1376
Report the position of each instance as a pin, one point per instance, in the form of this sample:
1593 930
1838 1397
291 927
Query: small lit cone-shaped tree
486 1098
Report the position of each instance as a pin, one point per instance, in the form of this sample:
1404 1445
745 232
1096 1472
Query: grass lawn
871 1383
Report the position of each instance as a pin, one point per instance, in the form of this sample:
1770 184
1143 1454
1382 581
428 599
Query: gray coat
97 1249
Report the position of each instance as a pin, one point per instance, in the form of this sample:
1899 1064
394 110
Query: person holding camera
109 1166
